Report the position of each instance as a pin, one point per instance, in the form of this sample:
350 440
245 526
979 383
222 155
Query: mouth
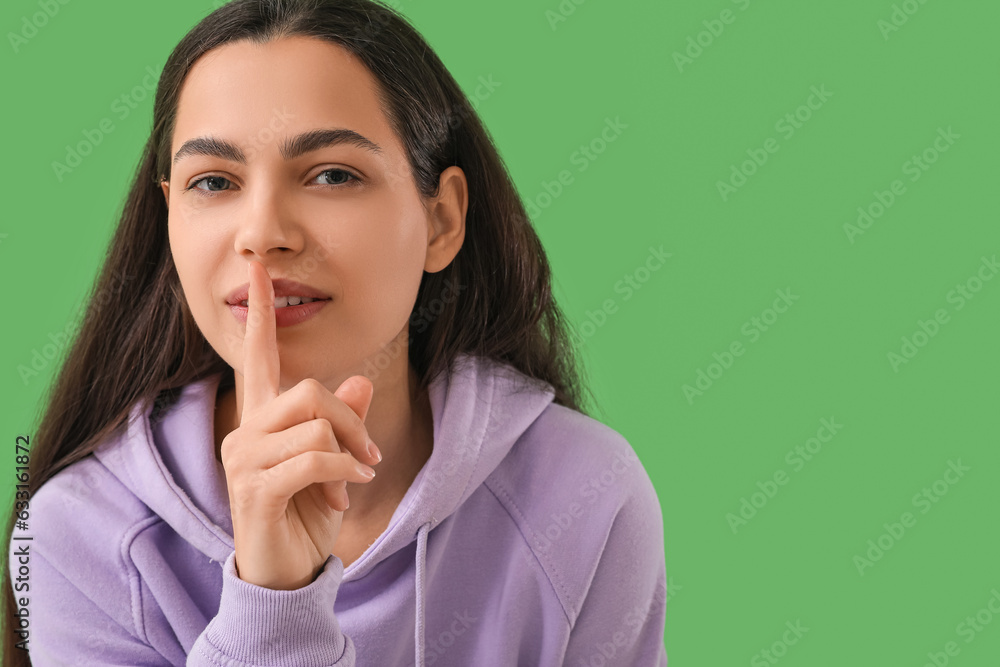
286 292
293 302
283 301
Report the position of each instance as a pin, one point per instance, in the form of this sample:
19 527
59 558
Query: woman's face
281 154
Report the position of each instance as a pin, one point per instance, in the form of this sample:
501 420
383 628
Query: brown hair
505 310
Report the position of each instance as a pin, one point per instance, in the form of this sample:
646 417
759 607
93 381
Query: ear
446 219
165 186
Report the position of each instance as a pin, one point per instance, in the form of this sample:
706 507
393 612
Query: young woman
324 270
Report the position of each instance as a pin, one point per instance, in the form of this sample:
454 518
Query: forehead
292 84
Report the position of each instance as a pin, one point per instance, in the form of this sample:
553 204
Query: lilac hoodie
532 536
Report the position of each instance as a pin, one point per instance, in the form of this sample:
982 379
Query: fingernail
366 471
373 450
347 499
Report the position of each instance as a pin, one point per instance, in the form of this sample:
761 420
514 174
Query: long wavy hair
505 311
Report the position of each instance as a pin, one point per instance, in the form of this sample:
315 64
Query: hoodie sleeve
621 620
254 625
262 626
65 627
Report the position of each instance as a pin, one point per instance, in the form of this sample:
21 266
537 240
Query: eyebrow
290 148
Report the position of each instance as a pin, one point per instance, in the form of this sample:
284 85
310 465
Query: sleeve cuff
262 626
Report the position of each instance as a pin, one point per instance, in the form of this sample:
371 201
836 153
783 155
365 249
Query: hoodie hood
480 409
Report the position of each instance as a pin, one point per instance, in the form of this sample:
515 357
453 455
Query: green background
856 296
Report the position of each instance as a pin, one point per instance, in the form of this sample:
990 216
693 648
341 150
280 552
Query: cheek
380 235
193 260
383 263
198 261
397 242
396 279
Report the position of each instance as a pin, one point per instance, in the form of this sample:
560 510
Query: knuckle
261 482
251 490
322 429
230 448
313 389
325 435
311 460
229 441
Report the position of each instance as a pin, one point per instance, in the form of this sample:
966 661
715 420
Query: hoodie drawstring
421 558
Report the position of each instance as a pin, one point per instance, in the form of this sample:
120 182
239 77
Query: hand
286 464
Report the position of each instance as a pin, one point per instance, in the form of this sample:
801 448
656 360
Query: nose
267 225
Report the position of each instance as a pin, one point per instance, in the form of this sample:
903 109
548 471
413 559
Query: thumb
357 392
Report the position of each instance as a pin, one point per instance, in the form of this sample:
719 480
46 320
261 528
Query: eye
341 176
211 181
216 184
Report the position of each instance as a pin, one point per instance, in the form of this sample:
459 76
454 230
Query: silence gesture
288 463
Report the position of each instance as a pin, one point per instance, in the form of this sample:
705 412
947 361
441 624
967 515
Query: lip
283 317
282 287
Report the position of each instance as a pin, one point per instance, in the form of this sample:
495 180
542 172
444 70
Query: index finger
261 365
